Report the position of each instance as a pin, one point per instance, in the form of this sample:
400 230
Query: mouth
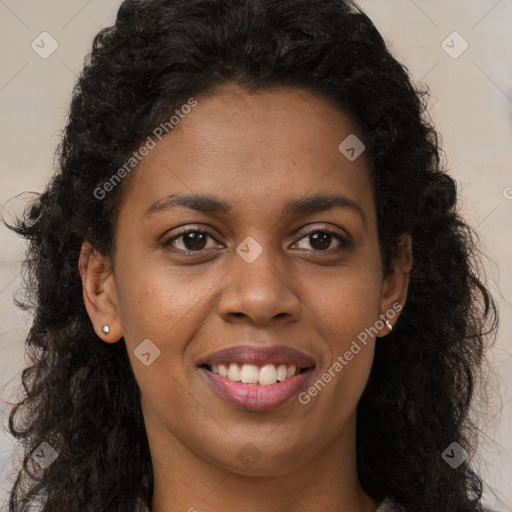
257 378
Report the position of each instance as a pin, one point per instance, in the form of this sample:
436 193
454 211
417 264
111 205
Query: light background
471 106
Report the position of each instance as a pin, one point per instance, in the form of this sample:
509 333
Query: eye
321 240
196 240
192 240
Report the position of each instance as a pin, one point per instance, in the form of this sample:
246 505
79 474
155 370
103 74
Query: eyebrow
302 206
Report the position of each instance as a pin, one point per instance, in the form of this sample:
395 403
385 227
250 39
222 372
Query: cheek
346 311
346 303
154 301
156 305
166 306
346 308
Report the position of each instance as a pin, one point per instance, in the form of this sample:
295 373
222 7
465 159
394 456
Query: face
258 264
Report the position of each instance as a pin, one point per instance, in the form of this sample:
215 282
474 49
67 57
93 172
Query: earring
105 329
389 326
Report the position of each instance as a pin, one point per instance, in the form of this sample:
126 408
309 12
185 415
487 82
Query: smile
265 375
257 377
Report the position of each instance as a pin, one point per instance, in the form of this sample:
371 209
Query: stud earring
105 329
390 327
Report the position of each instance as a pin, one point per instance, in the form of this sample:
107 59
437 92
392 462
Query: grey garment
388 506
141 507
385 506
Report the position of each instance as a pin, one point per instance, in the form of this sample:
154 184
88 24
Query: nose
260 292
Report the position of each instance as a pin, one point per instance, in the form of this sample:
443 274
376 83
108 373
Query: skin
256 152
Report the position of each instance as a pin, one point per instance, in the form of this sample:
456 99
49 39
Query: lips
258 356
257 397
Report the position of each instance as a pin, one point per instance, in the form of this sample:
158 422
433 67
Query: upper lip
258 355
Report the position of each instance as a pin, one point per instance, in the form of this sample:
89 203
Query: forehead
256 150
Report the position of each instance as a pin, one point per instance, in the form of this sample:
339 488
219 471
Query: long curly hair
80 395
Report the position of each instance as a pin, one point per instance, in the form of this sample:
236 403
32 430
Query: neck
183 481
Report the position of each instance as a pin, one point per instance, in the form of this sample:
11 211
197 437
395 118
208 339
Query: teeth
282 372
291 371
267 375
249 374
234 372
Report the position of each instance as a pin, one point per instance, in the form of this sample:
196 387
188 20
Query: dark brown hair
81 395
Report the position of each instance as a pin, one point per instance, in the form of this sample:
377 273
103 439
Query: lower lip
255 397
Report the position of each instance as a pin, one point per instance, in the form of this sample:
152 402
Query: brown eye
321 240
193 240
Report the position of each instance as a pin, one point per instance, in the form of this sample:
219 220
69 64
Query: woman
252 287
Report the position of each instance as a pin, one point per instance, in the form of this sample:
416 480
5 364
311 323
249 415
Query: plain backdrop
461 48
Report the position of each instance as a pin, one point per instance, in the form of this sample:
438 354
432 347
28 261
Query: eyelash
344 242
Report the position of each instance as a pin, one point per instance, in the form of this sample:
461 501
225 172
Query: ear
99 293
395 286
